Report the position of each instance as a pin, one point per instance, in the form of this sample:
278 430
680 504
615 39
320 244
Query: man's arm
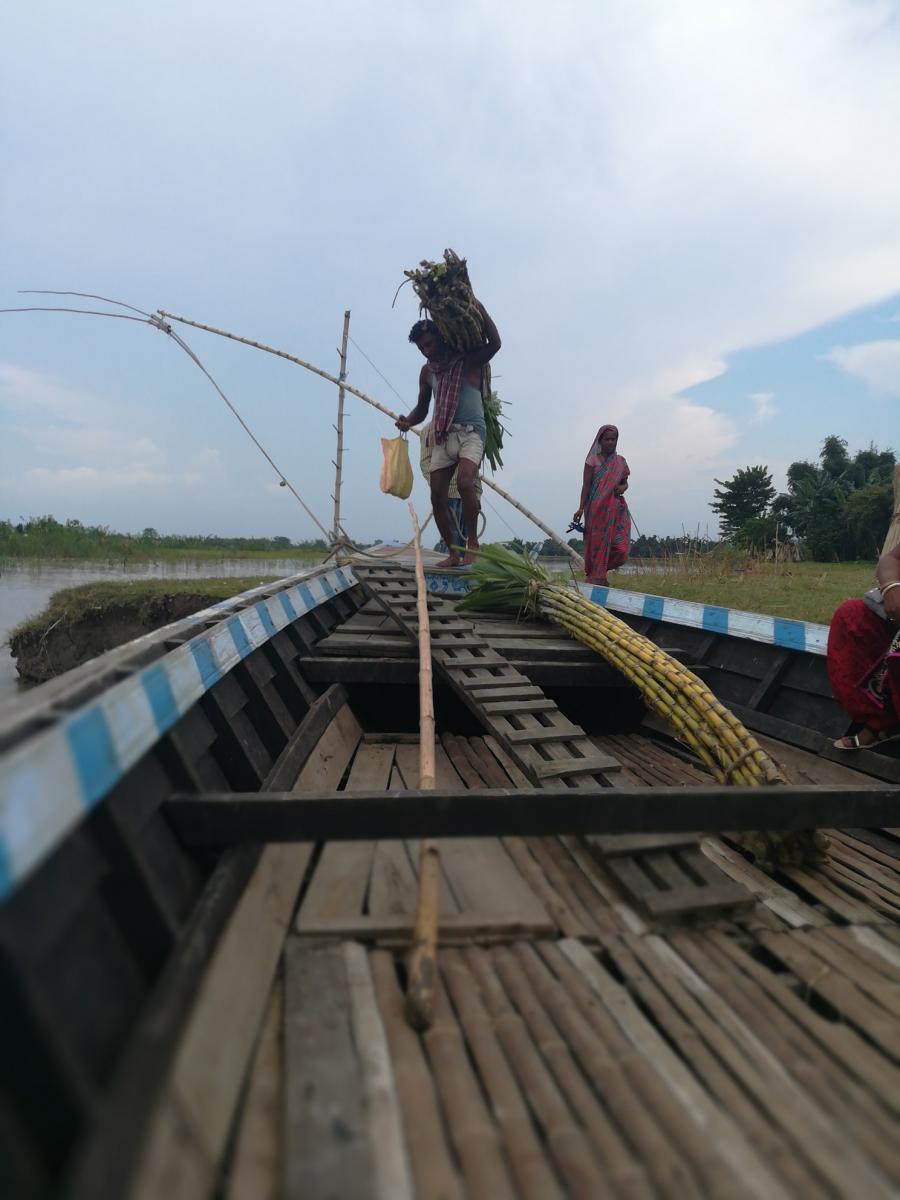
484 354
420 412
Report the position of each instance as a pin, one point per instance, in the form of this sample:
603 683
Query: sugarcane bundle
505 581
445 294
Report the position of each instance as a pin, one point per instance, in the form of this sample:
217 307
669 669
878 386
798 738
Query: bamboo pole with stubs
422 964
339 430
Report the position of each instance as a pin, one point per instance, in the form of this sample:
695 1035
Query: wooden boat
207 871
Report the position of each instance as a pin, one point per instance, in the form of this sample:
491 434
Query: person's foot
452 560
865 738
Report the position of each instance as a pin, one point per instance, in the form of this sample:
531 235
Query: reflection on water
26 586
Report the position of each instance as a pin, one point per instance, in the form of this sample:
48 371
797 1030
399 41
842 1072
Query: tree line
45 537
835 509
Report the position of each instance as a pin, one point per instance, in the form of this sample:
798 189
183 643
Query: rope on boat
422 966
158 323
160 320
155 320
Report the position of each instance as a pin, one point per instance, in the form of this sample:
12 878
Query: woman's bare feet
452 560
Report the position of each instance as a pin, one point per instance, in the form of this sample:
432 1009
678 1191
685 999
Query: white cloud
204 469
674 446
670 183
876 363
764 408
23 390
84 478
91 445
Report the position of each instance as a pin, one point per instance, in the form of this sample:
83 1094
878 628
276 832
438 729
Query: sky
684 217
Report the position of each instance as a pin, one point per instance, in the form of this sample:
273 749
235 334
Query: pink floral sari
607 521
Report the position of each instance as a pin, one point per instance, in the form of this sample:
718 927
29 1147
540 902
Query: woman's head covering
604 429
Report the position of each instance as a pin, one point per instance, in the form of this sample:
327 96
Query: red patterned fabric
449 380
607 521
864 667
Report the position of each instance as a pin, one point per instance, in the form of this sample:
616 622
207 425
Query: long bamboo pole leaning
422 966
551 533
339 429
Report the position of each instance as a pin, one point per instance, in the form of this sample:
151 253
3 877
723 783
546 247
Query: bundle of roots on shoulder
445 295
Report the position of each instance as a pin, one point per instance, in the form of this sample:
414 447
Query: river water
26 586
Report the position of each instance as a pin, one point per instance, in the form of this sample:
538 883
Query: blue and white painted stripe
442 584
756 627
53 779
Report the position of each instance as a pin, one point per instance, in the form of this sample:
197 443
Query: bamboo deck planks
464 655
750 1057
326 1141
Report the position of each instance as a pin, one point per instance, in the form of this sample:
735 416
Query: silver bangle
887 587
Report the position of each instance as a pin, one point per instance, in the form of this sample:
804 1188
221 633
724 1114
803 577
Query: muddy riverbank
53 637
79 624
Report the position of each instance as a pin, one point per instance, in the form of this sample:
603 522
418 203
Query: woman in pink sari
607 521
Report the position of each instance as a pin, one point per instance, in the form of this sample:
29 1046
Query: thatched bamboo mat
691 1064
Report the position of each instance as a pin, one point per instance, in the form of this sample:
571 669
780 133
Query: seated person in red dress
864 661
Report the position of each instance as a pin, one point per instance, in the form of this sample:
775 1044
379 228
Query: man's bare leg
440 487
465 481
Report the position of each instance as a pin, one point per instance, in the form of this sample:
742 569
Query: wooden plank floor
581 1048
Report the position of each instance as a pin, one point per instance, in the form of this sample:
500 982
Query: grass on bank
149 595
47 538
804 591
305 556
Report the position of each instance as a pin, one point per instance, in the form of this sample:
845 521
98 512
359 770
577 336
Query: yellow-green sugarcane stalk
687 685
660 692
664 700
583 612
506 581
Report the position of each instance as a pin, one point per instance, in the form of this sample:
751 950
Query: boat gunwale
54 777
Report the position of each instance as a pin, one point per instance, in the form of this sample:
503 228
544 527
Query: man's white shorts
463 441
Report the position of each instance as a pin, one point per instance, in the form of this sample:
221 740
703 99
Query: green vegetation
45 537
147 597
709 573
806 591
834 511
746 497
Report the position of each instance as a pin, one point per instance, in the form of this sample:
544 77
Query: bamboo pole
893 533
339 457
573 554
422 966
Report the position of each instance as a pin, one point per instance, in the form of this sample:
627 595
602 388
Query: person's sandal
879 738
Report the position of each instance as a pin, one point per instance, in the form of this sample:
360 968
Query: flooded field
26 586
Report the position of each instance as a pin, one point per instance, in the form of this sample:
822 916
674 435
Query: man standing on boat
458 427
